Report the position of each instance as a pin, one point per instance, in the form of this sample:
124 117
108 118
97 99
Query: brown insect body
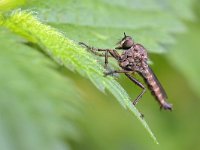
156 88
134 59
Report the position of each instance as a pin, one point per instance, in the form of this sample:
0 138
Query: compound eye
128 43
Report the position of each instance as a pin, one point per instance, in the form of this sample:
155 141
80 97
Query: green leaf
185 55
102 22
181 8
36 111
67 53
6 5
99 23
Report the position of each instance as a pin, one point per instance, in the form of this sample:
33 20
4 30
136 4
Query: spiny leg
96 51
132 79
126 72
110 52
116 71
106 60
140 85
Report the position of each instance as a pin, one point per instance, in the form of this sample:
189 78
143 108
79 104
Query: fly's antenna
124 34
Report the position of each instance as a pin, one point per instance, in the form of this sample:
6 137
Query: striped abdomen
156 88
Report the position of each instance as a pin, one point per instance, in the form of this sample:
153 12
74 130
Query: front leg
117 71
96 51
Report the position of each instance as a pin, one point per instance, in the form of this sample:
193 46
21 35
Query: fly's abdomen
156 88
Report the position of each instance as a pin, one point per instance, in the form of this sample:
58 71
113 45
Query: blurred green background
45 106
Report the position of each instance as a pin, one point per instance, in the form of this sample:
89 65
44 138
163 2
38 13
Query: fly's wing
158 83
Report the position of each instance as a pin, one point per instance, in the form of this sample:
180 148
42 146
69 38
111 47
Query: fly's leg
96 51
116 71
126 72
139 96
132 79
106 60
140 85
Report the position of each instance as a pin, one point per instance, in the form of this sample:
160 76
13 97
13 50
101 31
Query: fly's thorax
134 59
139 52
140 57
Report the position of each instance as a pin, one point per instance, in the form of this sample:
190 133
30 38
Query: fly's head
125 43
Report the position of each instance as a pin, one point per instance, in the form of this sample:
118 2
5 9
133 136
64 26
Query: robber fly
133 59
